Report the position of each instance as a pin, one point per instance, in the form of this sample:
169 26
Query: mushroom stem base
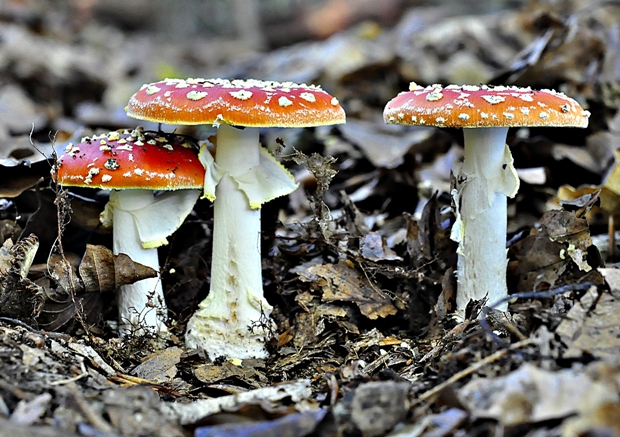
233 320
141 305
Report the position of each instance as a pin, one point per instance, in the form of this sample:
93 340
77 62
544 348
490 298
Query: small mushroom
487 175
233 320
134 164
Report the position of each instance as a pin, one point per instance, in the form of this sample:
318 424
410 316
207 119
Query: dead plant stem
471 369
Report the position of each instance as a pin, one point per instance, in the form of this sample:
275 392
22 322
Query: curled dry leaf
103 271
100 271
609 190
20 298
211 374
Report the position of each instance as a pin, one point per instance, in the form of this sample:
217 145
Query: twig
484 324
68 380
471 369
90 413
18 323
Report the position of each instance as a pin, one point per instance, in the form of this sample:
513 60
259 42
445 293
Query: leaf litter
359 265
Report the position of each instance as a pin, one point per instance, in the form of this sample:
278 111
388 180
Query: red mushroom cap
249 103
131 159
471 106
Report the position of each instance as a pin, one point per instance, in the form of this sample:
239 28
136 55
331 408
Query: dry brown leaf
212 373
530 395
103 271
591 325
545 254
307 328
610 189
161 367
99 271
567 228
20 298
340 282
15 180
612 181
601 418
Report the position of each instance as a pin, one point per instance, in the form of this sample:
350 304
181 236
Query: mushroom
233 320
133 164
487 175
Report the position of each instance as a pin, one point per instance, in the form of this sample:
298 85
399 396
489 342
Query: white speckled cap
249 103
470 106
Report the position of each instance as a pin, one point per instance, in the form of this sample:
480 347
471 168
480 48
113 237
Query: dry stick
89 412
471 369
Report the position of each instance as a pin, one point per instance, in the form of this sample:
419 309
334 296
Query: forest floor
358 262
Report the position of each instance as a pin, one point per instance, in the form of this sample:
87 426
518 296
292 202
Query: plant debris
357 263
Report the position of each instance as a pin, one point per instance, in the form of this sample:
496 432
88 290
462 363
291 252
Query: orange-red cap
249 103
131 159
470 106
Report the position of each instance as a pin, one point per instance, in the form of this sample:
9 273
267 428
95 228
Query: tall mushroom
134 164
487 174
233 320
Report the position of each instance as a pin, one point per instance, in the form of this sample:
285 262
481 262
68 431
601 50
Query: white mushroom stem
141 305
486 177
233 320
141 223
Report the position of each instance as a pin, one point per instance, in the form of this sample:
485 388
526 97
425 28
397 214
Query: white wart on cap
249 103
470 106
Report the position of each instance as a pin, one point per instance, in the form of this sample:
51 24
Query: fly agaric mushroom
487 174
234 319
133 164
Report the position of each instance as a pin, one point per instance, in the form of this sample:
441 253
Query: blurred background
63 61
68 68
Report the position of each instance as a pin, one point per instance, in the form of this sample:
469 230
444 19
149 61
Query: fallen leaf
566 227
375 408
101 270
530 395
211 373
189 413
591 325
20 298
162 367
374 249
546 254
295 424
340 282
